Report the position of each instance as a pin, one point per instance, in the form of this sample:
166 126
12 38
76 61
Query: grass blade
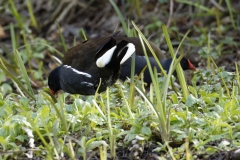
238 77
16 81
160 107
32 17
119 15
179 70
197 5
62 39
24 72
221 76
131 97
126 102
231 13
112 137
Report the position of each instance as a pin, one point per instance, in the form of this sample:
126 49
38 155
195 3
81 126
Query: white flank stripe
105 58
130 51
78 72
88 84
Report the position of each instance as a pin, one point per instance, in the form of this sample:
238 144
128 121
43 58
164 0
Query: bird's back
139 50
82 56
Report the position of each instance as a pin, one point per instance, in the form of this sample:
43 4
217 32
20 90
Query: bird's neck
166 64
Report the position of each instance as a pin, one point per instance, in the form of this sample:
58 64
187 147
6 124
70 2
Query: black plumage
85 64
140 63
101 58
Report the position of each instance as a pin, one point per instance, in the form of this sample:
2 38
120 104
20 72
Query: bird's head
53 81
186 64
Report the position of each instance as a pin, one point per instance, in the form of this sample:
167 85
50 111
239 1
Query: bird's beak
52 92
191 66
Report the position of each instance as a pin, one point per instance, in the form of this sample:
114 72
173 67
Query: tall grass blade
21 25
16 14
131 97
19 61
230 9
197 5
32 17
16 81
208 51
62 39
179 70
166 83
125 28
147 100
61 115
13 41
221 76
111 136
237 72
24 72
160 107
103 152
126 102
83 34
98 108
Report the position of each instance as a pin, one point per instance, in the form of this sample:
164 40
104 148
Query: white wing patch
105 58
130 51
78 72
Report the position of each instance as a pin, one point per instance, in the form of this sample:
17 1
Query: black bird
85 64
140 63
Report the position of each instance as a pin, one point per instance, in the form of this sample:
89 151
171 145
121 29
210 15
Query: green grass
177 123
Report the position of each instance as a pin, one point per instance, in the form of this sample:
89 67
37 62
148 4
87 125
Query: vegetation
128 121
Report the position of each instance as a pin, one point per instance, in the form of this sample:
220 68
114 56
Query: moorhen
85 64
140 63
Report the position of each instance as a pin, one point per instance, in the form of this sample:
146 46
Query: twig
31 141
217 5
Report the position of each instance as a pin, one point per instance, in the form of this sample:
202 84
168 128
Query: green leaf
193 91
191 100
146 130
20 120
174 98
3 141
96 144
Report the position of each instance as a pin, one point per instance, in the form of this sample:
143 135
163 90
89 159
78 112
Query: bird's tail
117 55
